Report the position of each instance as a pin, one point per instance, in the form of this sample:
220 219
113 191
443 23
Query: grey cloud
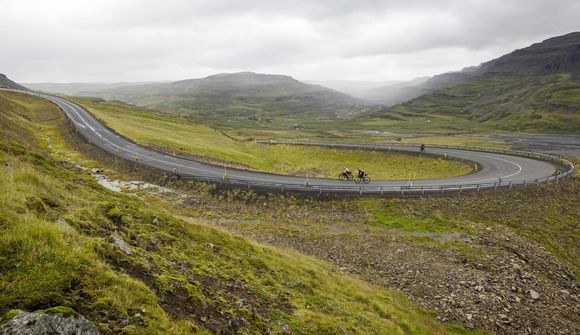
107 40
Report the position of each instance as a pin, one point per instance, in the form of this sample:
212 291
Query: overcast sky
145 40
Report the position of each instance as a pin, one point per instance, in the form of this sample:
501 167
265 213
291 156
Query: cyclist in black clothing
361 173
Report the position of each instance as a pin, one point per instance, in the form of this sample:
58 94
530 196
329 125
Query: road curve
495 169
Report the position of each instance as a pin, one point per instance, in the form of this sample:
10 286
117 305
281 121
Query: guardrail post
282 188
320 189
478 186
248 185
525 183
401 190
382 190
422 189
360 191
495 186
510 184
460 188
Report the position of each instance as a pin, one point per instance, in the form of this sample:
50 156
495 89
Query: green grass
173 133
159 288
388 214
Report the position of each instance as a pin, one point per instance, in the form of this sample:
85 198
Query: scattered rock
62 222
119 243
285 328
534 295
212 246
57 321
155 221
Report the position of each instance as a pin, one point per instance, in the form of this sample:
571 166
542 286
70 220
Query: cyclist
361 174
346 172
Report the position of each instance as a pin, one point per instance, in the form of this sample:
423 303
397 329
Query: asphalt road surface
491 166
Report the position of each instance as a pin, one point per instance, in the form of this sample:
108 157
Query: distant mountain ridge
553 56
537 87
355 88
80 88
7 83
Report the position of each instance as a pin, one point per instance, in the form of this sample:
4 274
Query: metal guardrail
308 187
381 190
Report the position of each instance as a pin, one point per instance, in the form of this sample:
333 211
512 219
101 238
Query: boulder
119 243
54 321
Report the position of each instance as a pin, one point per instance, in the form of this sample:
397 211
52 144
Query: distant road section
495 170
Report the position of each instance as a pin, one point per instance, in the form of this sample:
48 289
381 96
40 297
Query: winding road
495 169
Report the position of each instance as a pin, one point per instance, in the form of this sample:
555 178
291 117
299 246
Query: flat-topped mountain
243 94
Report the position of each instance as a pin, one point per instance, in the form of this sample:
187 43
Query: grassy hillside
169 133
547 103
535 88
242 96
59 247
